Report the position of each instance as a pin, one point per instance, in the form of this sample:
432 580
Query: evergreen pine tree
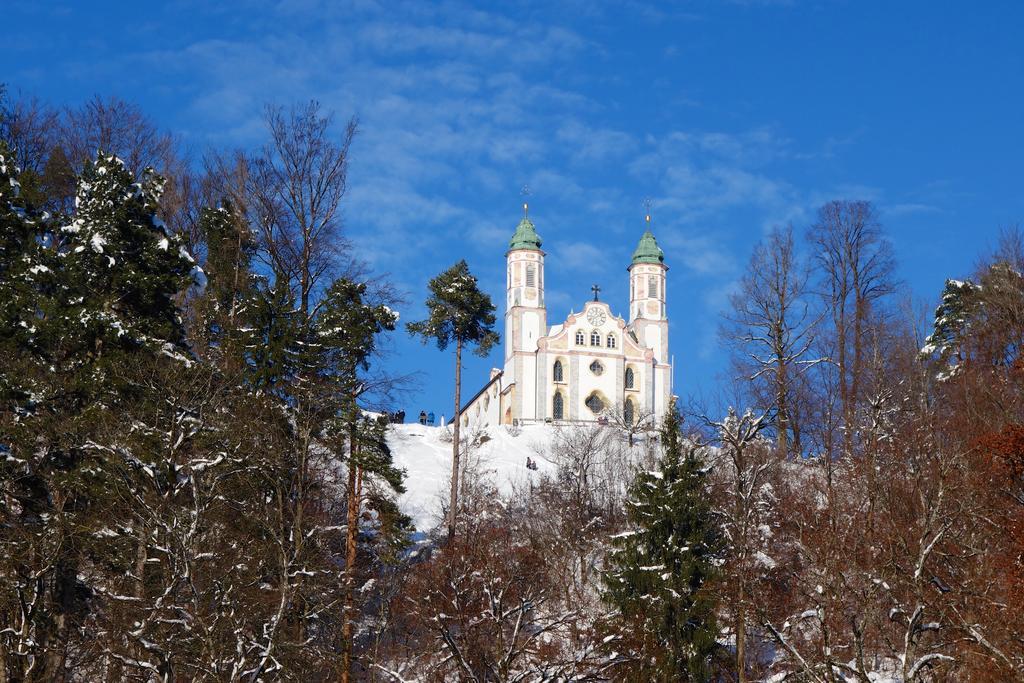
96 299
960 298
222 313
347 331
22 263
658 569
123 267
459 313
270 339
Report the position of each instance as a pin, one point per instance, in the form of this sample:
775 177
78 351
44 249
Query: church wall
543 372
652 337
620 369
579 381
651 401
517 377
663 387
530 330
577 358
527 391
484 410
588 383
510 332
572 405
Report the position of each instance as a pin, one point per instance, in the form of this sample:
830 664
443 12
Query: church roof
526 236
648 251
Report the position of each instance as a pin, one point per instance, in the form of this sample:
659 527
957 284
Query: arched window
628 412
595 403
581 339
595 338
630 378
652 287
558 407
611 341
556 371
531 276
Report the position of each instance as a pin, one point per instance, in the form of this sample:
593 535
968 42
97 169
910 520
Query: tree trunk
742 512
782 401
351 528
741 634
54 650
858 357
454 502
844 393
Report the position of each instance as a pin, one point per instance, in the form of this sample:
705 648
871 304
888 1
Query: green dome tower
647 312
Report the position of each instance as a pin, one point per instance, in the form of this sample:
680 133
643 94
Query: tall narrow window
627 412
595 338
652 287
611 341
581 339
557 407
556 371
531 276
630 378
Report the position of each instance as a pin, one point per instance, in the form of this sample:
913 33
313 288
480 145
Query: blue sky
731 116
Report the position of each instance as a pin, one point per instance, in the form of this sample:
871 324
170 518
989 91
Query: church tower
525 313
647 313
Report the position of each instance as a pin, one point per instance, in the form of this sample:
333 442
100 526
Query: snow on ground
427 460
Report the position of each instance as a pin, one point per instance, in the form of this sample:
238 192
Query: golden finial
647 210
525 192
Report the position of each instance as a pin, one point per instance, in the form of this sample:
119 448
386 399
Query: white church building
590 365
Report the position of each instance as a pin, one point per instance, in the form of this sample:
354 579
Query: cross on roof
596 290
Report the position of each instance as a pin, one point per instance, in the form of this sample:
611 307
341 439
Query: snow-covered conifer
22 264
222 315
458 313
657 569
123 267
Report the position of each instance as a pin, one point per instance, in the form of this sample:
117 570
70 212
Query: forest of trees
195 485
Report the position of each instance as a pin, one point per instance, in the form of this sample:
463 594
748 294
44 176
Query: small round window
596 367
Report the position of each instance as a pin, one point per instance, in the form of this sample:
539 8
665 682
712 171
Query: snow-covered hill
427 460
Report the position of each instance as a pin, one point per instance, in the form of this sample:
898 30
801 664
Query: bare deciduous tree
744 464
28 125
291 193
855 266
771 330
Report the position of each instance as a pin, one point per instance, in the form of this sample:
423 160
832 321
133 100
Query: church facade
591 365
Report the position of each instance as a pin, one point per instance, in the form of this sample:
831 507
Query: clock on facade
596 316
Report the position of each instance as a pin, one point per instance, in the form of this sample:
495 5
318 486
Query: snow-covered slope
427 460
